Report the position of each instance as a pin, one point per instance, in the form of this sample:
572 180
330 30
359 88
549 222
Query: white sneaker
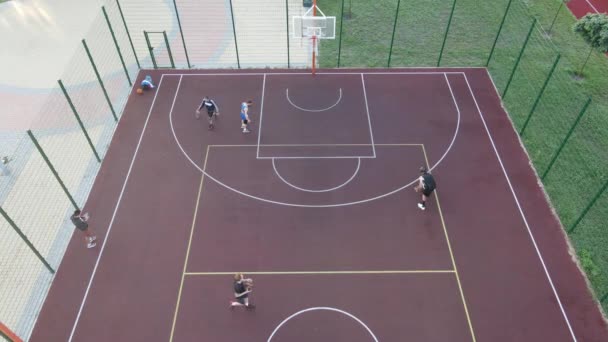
246 131
421 206
92 238
91 244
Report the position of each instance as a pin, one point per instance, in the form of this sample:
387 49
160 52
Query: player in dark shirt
80 221
426 185
242 288
213 110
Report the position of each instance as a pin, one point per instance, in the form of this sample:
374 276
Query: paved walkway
38 39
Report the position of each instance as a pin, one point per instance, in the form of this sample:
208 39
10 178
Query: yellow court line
445 231
181 285
319 272
312 145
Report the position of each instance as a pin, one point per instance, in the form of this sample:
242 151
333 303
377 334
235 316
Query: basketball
140 91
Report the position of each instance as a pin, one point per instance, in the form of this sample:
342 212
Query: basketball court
316 204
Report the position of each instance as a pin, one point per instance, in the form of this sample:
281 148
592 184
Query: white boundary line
521 212
322 308
122 191
593 7
323 190
315 205
315 145
313 110
325 73
257 153
369 121
322 272
321 157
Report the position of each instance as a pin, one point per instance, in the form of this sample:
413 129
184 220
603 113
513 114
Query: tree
594 30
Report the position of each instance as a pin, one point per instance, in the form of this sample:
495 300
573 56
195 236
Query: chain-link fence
50 170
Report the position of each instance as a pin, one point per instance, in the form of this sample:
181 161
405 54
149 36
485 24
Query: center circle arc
320 190
322 308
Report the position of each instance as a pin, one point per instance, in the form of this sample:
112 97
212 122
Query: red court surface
316 204
581 7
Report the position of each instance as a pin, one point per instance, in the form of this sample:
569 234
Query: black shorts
427 193
210 113
241 299
245 121
83 227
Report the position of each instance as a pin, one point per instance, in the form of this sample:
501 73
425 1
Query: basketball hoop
312 26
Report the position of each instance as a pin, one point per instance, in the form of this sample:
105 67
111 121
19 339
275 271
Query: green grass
581 168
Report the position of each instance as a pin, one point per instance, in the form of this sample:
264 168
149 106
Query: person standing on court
213 110
245 115
242 288
80 221
426 186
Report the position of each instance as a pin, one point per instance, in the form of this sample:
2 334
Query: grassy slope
581 168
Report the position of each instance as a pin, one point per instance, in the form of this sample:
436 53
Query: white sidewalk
38 39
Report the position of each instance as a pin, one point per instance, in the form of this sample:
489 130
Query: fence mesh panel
261 32
419 33
210 45
35 202
367 22
30 194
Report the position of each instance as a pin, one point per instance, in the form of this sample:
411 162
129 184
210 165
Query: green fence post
128 34
48 163
287 20
589 206
561 4
105 93
26 240
151 50
502 23
447 30
521 53
390 52
105 14
540 94
67 97
559 150
181 32
169 50
236 45
340 40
